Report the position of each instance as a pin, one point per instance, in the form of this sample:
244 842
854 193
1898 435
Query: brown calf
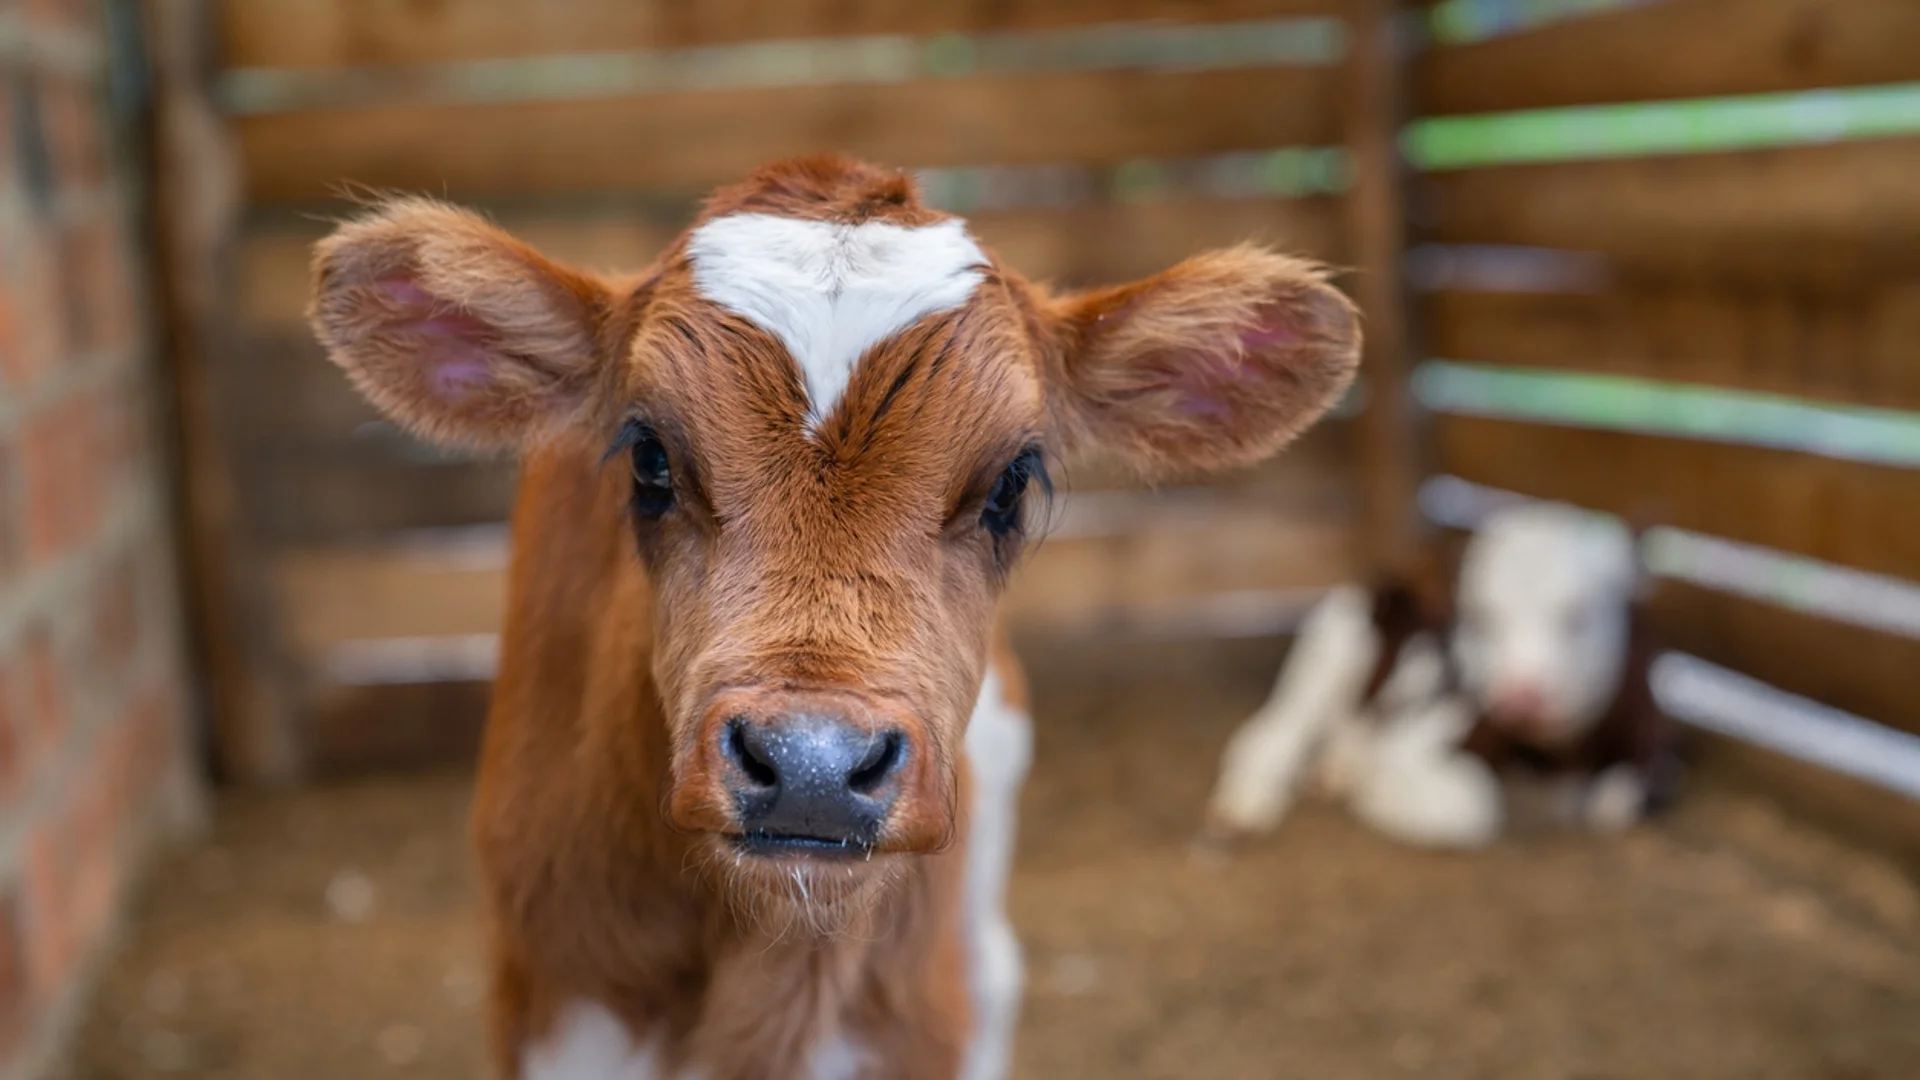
745 808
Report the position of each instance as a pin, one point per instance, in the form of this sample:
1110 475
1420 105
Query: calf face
1544 608
831 413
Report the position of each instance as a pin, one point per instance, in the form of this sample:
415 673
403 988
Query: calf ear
453 328
1219 361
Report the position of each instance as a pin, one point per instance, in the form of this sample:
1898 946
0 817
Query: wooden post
1390 457
192 215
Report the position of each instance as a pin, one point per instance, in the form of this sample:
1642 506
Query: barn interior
1659 259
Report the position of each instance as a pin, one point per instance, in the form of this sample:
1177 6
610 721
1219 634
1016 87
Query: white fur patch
1417 678
832 291
999 752
1345 757
588 1042
838 1058
1419 675
1421 790
1616 800
1317 692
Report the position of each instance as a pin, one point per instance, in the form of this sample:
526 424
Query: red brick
6 128
70 265
98 279
48 915
33 163
9 322
12 748
12 513
70 109
116 775
113 636
70 479
98 817
158 741
15 1004
93 416
81 15
10 360
136 755
47 704
46 460
122 440
29 279
94 276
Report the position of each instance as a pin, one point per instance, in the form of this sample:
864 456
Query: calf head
1543 617
831 415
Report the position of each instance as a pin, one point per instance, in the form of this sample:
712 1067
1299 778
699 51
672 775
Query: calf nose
1519 702
812 779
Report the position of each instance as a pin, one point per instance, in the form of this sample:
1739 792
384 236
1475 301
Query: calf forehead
1544 557
831 291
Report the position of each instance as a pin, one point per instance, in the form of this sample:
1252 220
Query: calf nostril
873 770
752 763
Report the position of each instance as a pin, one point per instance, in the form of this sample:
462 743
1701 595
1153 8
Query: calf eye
1001 514
652 474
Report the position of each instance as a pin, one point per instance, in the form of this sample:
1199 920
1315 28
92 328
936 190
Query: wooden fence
1716 226
1635 191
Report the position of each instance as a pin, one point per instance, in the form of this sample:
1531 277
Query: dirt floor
331 934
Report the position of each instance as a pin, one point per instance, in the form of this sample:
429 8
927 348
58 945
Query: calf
746 800
1411 716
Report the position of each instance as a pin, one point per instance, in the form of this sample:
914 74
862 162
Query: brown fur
845 565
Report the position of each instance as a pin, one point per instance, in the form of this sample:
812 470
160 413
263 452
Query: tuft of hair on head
824 187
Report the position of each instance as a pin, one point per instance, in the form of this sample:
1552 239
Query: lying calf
1411 716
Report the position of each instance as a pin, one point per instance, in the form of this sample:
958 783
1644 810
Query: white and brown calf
746 801
1411 717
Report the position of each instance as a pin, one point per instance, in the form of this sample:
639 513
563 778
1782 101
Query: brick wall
94 761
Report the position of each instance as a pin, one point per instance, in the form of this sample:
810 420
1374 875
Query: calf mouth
775 845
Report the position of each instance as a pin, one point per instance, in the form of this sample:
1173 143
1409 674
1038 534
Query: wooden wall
1789 266
1082 150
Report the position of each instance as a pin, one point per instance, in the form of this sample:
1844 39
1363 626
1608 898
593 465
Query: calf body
1412 714
746 801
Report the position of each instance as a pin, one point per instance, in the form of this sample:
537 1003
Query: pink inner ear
459 377
1206 385
404 293
1203 386
1266 336
453 346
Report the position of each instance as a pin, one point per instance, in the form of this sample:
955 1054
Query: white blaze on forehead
831 291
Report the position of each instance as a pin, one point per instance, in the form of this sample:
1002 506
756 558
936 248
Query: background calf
1409 708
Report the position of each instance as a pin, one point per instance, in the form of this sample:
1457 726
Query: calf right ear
1217 362
455 329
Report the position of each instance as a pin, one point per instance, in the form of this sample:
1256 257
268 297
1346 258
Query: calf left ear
1217 362
455 329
